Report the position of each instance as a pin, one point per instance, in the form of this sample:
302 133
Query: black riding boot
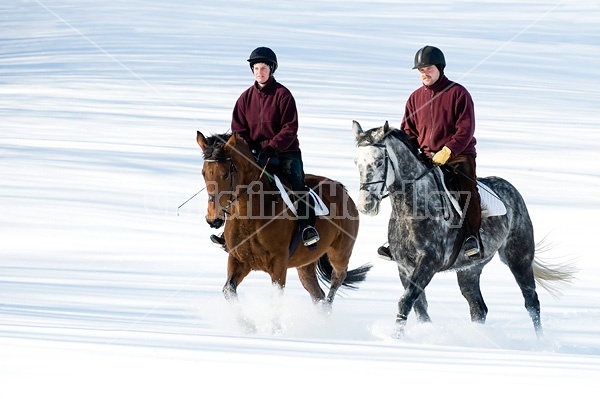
384 252
219 241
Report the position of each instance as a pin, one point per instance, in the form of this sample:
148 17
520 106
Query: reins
428 169
232 172
493 194
383 182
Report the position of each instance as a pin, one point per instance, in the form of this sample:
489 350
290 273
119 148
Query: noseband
382 192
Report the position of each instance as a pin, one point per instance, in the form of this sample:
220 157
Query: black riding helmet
265 55
428 56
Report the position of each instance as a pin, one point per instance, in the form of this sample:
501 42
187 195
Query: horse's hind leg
468 281
308 278
338 274
337 279
518 254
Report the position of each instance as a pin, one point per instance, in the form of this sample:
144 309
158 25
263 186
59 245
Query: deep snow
106 292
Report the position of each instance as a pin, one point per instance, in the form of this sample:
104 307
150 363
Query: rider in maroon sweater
265 116
439 117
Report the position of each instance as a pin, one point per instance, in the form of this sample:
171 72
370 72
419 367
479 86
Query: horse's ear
358 131
232 146
201 140
232 140
239 151
386 127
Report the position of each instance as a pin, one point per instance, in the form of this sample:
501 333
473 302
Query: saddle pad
320 207
491 205
490 202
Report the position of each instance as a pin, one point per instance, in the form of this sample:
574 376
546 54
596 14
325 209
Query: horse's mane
375 136
403 137
215 147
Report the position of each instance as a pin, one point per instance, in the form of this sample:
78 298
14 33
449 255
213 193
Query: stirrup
310 236
471 247
384 252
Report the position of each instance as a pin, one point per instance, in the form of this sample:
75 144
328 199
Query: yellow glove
442 156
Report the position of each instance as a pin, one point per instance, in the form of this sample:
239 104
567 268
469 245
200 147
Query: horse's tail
552 275
325 270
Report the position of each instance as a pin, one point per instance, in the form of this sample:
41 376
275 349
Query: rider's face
261 72
429 75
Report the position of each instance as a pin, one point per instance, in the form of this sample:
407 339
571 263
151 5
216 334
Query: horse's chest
252 254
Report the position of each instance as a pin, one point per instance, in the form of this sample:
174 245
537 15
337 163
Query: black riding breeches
292 170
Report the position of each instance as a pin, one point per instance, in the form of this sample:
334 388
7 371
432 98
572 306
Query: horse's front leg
420 305
236 272
416 284
278 279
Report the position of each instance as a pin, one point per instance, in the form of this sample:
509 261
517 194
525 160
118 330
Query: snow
105 291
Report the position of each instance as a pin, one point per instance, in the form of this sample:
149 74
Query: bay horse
259 226
423 229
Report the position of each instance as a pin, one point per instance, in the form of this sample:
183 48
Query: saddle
490 202
318 205
491 205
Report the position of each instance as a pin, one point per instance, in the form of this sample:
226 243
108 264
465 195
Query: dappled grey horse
423 229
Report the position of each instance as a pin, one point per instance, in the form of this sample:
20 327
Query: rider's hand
267 153
442 156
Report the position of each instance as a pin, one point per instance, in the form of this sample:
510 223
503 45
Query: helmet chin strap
261 85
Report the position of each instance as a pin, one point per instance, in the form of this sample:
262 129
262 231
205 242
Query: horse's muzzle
367 204
215 223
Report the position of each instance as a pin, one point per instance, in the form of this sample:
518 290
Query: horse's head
383 164
224 156
372 162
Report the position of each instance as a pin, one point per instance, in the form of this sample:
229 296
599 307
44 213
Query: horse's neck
405 166
415 190
254 195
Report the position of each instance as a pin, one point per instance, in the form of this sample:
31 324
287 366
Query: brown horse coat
260 227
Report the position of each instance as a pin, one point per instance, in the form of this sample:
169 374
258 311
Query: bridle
382 193
387 161
233 198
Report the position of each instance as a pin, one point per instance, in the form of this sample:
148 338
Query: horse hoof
398 333
247 326
325 307
277 329
399 328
